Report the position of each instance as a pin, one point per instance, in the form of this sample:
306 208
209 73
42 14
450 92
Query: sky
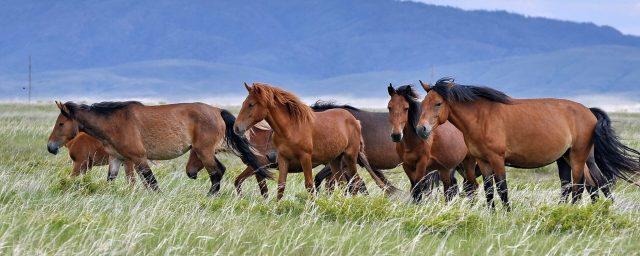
623 15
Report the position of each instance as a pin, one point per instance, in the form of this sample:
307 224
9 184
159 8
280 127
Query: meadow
42 211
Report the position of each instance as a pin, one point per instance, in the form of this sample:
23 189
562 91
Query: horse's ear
58 104
247 86
391 90
64 110
425 86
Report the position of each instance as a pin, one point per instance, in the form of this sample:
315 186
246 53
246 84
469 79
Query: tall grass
42 211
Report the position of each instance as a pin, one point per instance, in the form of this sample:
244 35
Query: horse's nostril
396 137
53 149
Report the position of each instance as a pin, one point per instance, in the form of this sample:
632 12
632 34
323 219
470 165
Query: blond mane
274 96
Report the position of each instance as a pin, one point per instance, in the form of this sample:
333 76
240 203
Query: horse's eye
61 124
438 104
251 105
406 109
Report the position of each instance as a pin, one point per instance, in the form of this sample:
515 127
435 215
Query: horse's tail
377 175
614 159
241 146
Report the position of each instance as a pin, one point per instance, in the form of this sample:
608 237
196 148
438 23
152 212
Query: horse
134 132
528 133
259 136
303 137
84 150
443 151
380 151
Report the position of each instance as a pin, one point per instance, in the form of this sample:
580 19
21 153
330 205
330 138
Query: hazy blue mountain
192 49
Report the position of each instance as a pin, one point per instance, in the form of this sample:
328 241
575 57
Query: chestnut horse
443 151
303 137
85 151
259 136
134 132
528 133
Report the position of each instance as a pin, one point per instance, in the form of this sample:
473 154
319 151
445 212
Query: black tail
241 146
614 159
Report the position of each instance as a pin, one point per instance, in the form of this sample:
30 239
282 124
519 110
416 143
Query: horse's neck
464 115
91 124
280 122
410 138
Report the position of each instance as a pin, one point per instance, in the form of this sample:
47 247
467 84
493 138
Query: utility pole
29 90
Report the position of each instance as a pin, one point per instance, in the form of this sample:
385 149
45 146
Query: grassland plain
44 212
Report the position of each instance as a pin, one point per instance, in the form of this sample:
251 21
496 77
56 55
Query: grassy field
44 212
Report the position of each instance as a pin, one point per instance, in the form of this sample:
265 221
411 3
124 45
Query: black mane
409 93
101 108
451 91
321 105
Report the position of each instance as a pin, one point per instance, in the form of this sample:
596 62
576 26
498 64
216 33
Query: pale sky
623 15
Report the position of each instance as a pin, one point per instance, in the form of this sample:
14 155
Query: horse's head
253 110
398 113
435 111
64 130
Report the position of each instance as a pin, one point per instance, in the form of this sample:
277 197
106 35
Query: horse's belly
533 159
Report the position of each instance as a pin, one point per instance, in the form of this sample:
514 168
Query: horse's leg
248 171
419 179
262 185
307 170
470 183
409 169
130 172
142 166
591 165
578 161
487 180
500 177
564 172
283 168
77 168
194 165
337 173
324 174
114 168
447 182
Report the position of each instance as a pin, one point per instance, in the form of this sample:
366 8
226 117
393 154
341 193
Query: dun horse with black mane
134 132
303 137
528 133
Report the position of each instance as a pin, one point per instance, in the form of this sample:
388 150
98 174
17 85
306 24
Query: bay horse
85 151
442 152
303 137
134 132
528 133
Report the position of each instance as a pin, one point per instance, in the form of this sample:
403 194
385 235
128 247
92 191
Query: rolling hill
203 49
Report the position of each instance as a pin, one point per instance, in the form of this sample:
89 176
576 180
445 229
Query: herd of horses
473 130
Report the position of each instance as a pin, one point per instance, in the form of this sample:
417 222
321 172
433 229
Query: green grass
42 211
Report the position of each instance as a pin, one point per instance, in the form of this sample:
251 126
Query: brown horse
303 137
260 136
134 132
528 133
443 151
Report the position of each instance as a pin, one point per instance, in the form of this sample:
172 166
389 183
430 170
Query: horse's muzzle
423 131
238 131
52 147
396 137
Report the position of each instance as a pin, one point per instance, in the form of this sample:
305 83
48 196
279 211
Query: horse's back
168 131
552 124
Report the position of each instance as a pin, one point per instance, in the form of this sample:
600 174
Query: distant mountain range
175 50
